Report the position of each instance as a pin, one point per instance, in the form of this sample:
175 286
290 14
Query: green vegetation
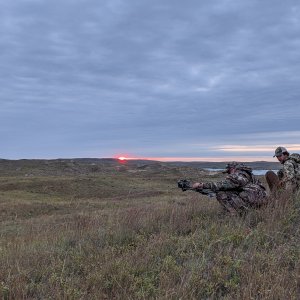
128 233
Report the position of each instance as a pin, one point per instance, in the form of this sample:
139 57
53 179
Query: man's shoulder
289 163
289 167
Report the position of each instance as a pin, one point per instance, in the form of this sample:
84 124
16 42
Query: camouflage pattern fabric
238 191
289 175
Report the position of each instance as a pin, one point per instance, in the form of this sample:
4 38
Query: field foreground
123 232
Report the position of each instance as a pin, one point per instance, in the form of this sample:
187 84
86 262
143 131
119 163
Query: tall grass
163 245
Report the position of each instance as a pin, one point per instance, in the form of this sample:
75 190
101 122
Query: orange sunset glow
122 158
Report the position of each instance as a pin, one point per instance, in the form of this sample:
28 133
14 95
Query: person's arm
231 182
280 174
289 176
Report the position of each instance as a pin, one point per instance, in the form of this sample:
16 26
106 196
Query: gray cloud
94 77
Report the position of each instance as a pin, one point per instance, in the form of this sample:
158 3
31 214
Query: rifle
185 185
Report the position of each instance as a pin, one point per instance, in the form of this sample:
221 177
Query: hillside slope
132 233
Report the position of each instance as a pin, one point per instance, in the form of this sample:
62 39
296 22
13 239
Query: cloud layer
166 78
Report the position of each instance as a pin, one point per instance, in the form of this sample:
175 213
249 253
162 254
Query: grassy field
129 233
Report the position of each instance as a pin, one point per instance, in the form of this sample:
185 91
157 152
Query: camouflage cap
279 151
236 165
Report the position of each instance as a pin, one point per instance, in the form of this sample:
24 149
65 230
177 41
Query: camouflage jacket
239 182
289 175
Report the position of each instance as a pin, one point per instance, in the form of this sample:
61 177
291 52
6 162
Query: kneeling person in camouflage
288 177
240 189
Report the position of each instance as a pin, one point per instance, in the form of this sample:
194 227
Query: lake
255 172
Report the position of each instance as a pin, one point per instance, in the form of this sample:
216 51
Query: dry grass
116 236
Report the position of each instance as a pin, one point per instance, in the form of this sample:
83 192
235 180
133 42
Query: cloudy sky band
96 78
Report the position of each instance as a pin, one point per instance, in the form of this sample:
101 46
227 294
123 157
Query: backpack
295 158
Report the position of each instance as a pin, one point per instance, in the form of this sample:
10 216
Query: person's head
282 154
235 166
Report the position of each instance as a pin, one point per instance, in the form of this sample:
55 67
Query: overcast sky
154 79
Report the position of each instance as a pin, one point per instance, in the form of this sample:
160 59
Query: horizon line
210 159
168 159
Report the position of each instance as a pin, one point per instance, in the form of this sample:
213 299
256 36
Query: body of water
255 172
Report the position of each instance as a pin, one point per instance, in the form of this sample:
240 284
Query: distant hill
55 167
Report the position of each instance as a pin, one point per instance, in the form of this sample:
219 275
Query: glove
184 184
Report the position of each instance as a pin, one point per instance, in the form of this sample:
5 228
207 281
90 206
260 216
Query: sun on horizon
122 158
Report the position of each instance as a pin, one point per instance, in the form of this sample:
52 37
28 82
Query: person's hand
280 174
198 185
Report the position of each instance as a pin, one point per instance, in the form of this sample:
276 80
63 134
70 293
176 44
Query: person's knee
272 180
271 175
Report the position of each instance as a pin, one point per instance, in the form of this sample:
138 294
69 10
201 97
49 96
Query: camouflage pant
238 202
